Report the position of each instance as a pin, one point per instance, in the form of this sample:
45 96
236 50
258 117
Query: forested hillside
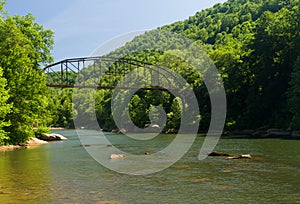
255 46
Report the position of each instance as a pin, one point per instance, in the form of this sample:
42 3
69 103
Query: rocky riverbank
253 133
267 133
39 140
31 143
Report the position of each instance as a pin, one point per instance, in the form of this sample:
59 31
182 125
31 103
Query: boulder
248 156
295 134
242 156
36 141
122 130
154 126
51 137
116 156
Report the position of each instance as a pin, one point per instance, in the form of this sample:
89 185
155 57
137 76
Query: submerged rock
228 156
86 145
217 154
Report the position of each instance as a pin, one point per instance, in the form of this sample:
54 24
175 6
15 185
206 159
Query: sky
81 26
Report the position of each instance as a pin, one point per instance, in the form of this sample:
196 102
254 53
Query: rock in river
117 156
218 154
228 156
51 137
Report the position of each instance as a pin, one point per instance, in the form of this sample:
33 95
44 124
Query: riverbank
31 143
40 139
265 133
250 133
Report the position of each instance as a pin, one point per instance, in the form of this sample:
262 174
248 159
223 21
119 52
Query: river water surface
63 172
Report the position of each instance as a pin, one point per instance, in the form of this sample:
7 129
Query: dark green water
63 172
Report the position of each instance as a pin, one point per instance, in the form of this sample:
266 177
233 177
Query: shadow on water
232 136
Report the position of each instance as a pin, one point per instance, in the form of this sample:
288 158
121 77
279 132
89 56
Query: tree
138 111
174 117
275 50
61 108
24 45
5 108
294 95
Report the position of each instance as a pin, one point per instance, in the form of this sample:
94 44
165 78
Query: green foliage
275 50
41 39
5 108
24 45
138 111
253 43
41 130
222 18
61 108
294 95
174 116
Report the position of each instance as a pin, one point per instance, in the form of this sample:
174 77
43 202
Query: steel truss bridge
105 73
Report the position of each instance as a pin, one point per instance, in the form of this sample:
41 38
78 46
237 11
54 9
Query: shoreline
58 128
10 148
39 139
33 142
236 134
262 133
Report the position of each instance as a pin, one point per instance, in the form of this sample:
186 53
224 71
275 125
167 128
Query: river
63 172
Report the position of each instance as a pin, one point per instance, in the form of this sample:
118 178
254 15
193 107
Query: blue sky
81 26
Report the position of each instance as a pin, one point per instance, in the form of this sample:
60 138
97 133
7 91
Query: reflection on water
24 176
63 172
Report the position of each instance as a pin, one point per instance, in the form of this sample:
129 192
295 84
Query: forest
254 44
